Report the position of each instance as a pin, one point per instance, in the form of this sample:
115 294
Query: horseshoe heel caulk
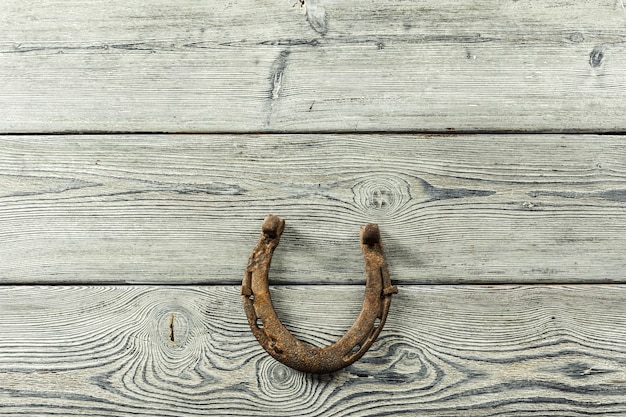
279 342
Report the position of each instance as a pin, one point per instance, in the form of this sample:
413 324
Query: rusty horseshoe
274 336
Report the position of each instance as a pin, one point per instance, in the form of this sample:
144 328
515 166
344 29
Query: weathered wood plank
187 209
445 351
249 65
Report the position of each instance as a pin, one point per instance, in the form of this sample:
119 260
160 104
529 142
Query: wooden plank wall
143 142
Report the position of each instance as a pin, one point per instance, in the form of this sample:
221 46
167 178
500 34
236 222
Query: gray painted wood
187 209
445 351
249 66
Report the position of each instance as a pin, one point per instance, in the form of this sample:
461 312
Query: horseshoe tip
370 234
273 226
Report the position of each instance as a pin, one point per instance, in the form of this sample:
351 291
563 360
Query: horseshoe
274 336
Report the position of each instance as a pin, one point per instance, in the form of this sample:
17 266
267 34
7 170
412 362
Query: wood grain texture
445 351
250 66
188 209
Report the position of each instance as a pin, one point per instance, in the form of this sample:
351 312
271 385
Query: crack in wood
172 338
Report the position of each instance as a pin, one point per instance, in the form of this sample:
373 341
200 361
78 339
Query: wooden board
187 209
188 351
309 109
312 66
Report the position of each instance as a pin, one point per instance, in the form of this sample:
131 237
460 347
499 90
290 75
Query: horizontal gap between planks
296 284
329 132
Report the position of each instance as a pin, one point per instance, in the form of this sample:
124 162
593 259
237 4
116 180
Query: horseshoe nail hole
259 323
377 322
356 348
251 297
